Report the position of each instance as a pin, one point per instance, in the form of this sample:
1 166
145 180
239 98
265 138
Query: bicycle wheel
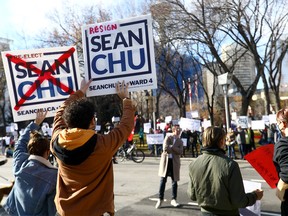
137 155
120 156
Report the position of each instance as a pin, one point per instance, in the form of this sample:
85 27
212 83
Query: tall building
244 68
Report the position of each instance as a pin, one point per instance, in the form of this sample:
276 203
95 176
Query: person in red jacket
85 178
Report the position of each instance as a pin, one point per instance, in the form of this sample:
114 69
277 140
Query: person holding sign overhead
280 159
34 188
85 177
215 181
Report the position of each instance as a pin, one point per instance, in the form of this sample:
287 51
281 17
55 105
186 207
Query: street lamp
225 80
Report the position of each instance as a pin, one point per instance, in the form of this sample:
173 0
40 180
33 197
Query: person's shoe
158 204
114 161
174 203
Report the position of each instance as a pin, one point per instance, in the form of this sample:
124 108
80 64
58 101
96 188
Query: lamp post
225 80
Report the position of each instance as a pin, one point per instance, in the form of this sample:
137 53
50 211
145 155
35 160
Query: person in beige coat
170 165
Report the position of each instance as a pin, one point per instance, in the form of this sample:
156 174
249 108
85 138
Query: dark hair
37 144
213 136
282 115
79 113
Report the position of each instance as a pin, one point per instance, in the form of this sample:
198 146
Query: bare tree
209 25
67 31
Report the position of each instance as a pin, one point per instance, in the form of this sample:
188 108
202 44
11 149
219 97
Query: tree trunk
267 100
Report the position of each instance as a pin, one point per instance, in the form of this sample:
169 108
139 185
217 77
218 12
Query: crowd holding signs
113 51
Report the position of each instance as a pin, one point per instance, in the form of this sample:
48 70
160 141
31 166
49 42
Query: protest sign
40 78
119 50
262 161
168 119
257 125
191 124
266 119
154 139
206 123
146 127
253 210
272 119
184 140
242 121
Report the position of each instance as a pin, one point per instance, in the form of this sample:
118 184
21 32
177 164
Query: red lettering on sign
262 160
42 76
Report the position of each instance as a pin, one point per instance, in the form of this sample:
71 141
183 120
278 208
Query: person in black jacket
280 159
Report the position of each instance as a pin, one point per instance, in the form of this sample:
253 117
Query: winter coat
280 160
215 182
174 148
85 179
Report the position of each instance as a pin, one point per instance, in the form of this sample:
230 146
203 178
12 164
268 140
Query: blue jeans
163 181
241 150
231 151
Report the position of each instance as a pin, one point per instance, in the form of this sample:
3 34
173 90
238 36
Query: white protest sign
119 50
234 116
184 140
189 115
195 114
168 119
257 125
146 127
272 119
40 78
98 127
191 124
266 119
154 139
162 125
255 209
242 121
206 123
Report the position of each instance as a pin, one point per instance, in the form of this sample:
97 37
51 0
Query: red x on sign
42 76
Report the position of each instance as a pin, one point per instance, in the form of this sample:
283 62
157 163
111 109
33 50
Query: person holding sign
85 179
34 188
215 181
280 159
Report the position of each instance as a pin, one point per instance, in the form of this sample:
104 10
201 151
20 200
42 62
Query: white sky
22 18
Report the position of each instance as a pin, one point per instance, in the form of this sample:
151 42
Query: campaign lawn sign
119 50
40 79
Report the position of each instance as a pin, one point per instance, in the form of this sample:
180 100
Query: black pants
163 181
284 208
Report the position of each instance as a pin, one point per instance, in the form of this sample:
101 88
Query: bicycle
137 155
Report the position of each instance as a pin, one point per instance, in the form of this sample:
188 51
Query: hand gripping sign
41 78
119 50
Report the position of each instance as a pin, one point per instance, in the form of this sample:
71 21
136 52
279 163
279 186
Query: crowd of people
82 183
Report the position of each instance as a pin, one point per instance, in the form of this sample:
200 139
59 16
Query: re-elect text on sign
117 51
41 78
